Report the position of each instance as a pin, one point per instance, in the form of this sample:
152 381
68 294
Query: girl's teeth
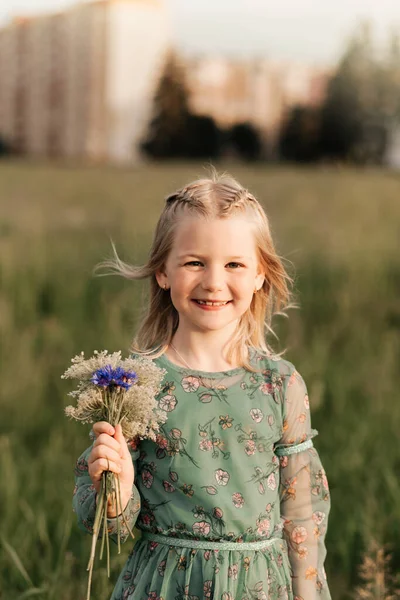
211 303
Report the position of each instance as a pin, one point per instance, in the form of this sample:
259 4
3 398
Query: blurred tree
167 130
245 140
300 135
202 137
5 148
174 131
363 101
344 111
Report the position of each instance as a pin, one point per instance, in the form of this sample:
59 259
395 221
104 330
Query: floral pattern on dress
213 474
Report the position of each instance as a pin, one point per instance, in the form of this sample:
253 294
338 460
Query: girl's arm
84 500
304 495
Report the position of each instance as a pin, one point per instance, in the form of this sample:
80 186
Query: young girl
232 500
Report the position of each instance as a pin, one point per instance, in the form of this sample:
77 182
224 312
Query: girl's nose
212 280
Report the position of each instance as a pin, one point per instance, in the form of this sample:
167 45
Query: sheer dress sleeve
84 500
304 495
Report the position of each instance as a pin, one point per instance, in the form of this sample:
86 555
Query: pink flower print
167 403
243 385
147 479
146 519
161 567
153 546
233 571
175 433
210 489
205 398
207 554
292 378
217 512
283 460
271 481
268 508
161 441
128 592
250 447
222 477
75 489
153 596
173 476
207 588
237 500
168 487
266 388
201 528
325 480
306 402
206 445
190 384
253 379
271 420
263 527
256 414
318 517
227 596
299 535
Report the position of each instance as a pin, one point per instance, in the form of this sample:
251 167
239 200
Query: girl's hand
110 453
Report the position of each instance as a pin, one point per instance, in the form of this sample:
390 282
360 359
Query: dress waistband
206 545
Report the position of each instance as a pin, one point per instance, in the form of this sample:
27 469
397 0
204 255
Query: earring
165 286
255 290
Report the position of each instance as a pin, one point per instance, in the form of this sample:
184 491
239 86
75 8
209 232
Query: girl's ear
260 278
161 279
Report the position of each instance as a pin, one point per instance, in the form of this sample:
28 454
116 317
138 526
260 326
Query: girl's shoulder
273 363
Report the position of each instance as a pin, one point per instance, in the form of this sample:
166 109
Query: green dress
234 462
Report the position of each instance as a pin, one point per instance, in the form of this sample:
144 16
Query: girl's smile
212 270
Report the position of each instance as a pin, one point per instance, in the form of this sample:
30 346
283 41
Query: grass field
338 231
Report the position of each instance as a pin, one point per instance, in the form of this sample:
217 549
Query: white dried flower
133 405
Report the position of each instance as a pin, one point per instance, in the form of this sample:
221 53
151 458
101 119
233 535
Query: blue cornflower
109 377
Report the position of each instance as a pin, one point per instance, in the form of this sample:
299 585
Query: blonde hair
217 197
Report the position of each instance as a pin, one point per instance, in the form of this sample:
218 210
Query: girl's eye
196 263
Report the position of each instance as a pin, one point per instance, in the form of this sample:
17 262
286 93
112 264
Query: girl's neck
201 356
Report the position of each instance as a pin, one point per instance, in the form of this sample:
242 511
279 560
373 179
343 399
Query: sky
311 31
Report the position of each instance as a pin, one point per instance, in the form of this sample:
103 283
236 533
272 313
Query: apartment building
80 83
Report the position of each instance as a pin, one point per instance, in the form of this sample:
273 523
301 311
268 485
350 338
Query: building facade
80 83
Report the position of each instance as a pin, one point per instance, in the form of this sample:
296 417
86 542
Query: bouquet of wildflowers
119 391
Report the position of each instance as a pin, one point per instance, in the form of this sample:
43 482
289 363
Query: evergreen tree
166 135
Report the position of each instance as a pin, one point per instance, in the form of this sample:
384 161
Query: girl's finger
103 451
103 427
107 440
102 464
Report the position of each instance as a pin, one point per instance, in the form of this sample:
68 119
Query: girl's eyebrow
204 257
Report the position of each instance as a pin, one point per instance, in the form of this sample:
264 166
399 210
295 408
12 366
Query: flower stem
96 528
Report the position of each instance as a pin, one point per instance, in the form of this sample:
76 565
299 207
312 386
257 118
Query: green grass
337 228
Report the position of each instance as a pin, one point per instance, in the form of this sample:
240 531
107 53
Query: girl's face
213 261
